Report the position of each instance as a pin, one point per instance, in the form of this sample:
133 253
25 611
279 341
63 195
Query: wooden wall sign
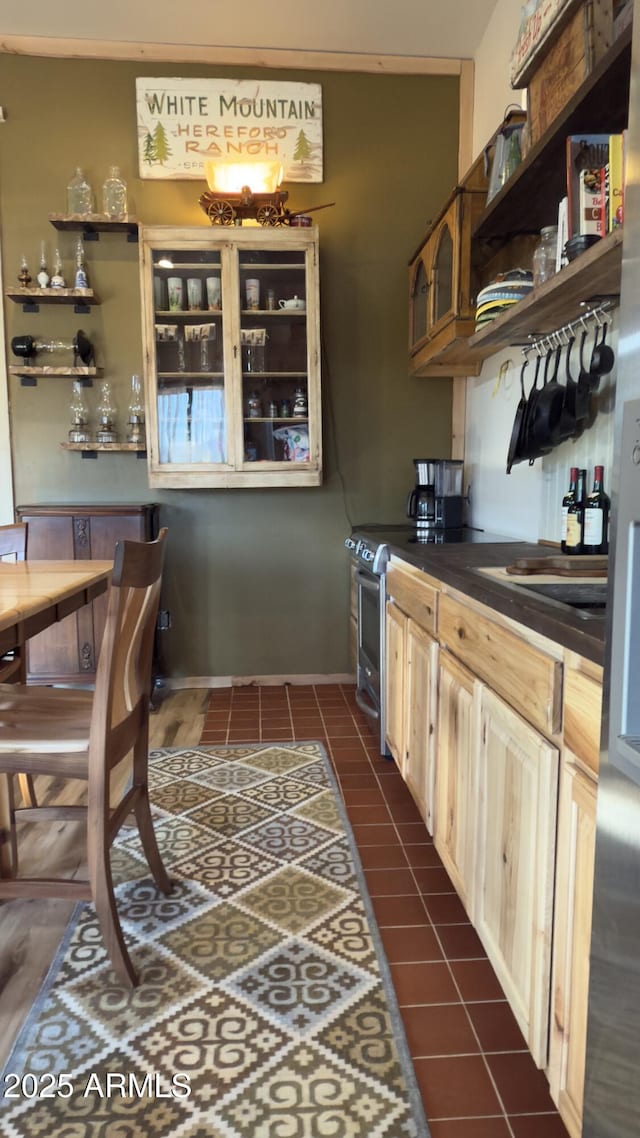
182 123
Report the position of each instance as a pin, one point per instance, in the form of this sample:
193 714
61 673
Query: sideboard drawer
413 595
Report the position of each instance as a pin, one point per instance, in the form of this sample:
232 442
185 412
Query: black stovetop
405 535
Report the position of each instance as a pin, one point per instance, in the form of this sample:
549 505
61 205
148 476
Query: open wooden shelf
72 372
595 274
529 200
83 296
139 448
92 224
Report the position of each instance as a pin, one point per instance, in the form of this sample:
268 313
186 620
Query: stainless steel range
370 546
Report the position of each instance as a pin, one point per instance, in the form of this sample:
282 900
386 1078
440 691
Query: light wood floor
30 931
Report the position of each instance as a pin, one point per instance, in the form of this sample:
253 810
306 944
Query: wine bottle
575 517
596 516
566 502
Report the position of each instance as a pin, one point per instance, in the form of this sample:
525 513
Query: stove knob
367 555
350 543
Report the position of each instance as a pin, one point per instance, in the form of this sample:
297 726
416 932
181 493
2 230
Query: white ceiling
417 28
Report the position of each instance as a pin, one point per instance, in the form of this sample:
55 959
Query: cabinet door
455 775
395 681
419 302
518 785
54 653
231 334
444 270
571 943
422 656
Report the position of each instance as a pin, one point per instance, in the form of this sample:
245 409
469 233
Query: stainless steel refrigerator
612 1089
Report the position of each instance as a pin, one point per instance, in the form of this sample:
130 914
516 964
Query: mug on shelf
175 287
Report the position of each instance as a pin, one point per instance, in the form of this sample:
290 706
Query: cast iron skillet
548 409
516 430
525 437
583 393
602 359
568 417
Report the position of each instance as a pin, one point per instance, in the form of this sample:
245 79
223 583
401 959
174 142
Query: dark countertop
457 564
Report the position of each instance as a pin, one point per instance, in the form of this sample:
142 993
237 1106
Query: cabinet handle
235 351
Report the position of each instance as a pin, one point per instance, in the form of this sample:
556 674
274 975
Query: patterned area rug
265 1008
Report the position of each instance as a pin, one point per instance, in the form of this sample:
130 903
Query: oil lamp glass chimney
135 416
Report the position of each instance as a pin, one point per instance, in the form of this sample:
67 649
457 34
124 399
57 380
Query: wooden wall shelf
52 295
93 224
35 372
595 274
92 450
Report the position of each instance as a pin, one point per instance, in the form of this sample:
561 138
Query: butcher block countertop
478 571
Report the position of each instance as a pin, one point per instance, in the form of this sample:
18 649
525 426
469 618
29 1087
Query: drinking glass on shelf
175 287
194 293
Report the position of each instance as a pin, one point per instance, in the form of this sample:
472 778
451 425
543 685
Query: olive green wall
256 580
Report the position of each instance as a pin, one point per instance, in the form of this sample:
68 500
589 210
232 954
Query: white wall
527 502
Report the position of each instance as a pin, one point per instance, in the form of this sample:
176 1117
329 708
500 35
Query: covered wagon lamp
242 190
79 415
106 431
135 414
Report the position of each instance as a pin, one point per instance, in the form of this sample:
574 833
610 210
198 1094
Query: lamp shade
232 177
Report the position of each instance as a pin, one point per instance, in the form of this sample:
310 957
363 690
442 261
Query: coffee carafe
436 501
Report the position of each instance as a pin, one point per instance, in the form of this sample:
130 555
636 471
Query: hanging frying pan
534 392
516 430
568 417
602 359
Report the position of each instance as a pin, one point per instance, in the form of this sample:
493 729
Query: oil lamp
79 412
135 414
106 432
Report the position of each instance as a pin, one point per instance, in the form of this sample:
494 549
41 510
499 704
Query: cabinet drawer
414 596
582 717
526 677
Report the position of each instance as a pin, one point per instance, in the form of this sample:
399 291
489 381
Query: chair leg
8 838
27 790
149 843
105 903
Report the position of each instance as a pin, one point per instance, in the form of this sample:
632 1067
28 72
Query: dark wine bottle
566 502
596 516
575 517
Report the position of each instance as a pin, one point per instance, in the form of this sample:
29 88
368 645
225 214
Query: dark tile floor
476 1075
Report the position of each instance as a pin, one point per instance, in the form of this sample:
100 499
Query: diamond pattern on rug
220 941
260 977
299 984
286 837
292 899
227 868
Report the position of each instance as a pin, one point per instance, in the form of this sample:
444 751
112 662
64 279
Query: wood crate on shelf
567 52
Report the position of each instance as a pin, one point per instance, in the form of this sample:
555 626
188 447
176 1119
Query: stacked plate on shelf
500 294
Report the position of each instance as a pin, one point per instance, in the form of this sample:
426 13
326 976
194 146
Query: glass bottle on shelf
43 275
106 432
544 256
57 279
114 195
300 406
135 413
80 279
596 516
79 413
79 195
254 406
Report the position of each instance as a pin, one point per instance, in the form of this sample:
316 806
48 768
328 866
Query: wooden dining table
34 595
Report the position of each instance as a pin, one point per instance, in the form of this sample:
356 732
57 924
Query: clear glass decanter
79 195
114 195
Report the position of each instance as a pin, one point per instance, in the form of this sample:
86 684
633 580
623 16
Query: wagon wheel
267 215
221 213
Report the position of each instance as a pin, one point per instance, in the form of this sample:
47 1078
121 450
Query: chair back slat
123 676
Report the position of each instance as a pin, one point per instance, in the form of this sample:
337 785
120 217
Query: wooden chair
85 735
13 543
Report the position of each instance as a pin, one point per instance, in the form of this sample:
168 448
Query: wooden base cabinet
67 651
421 697
455 776
516 847
572 939
395 681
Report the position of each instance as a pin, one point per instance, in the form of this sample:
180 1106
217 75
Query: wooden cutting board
588 565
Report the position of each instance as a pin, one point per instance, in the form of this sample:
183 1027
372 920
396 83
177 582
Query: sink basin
588 599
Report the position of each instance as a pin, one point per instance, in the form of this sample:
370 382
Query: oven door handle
368 708
365 582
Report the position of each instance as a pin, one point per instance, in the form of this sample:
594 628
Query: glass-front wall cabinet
232 357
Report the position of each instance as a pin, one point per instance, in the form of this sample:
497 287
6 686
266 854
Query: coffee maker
436 501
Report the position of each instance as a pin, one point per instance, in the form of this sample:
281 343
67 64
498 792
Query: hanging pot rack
546 342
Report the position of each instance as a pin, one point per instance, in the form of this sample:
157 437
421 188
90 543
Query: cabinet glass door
419 304
443 276
191 401
274 355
